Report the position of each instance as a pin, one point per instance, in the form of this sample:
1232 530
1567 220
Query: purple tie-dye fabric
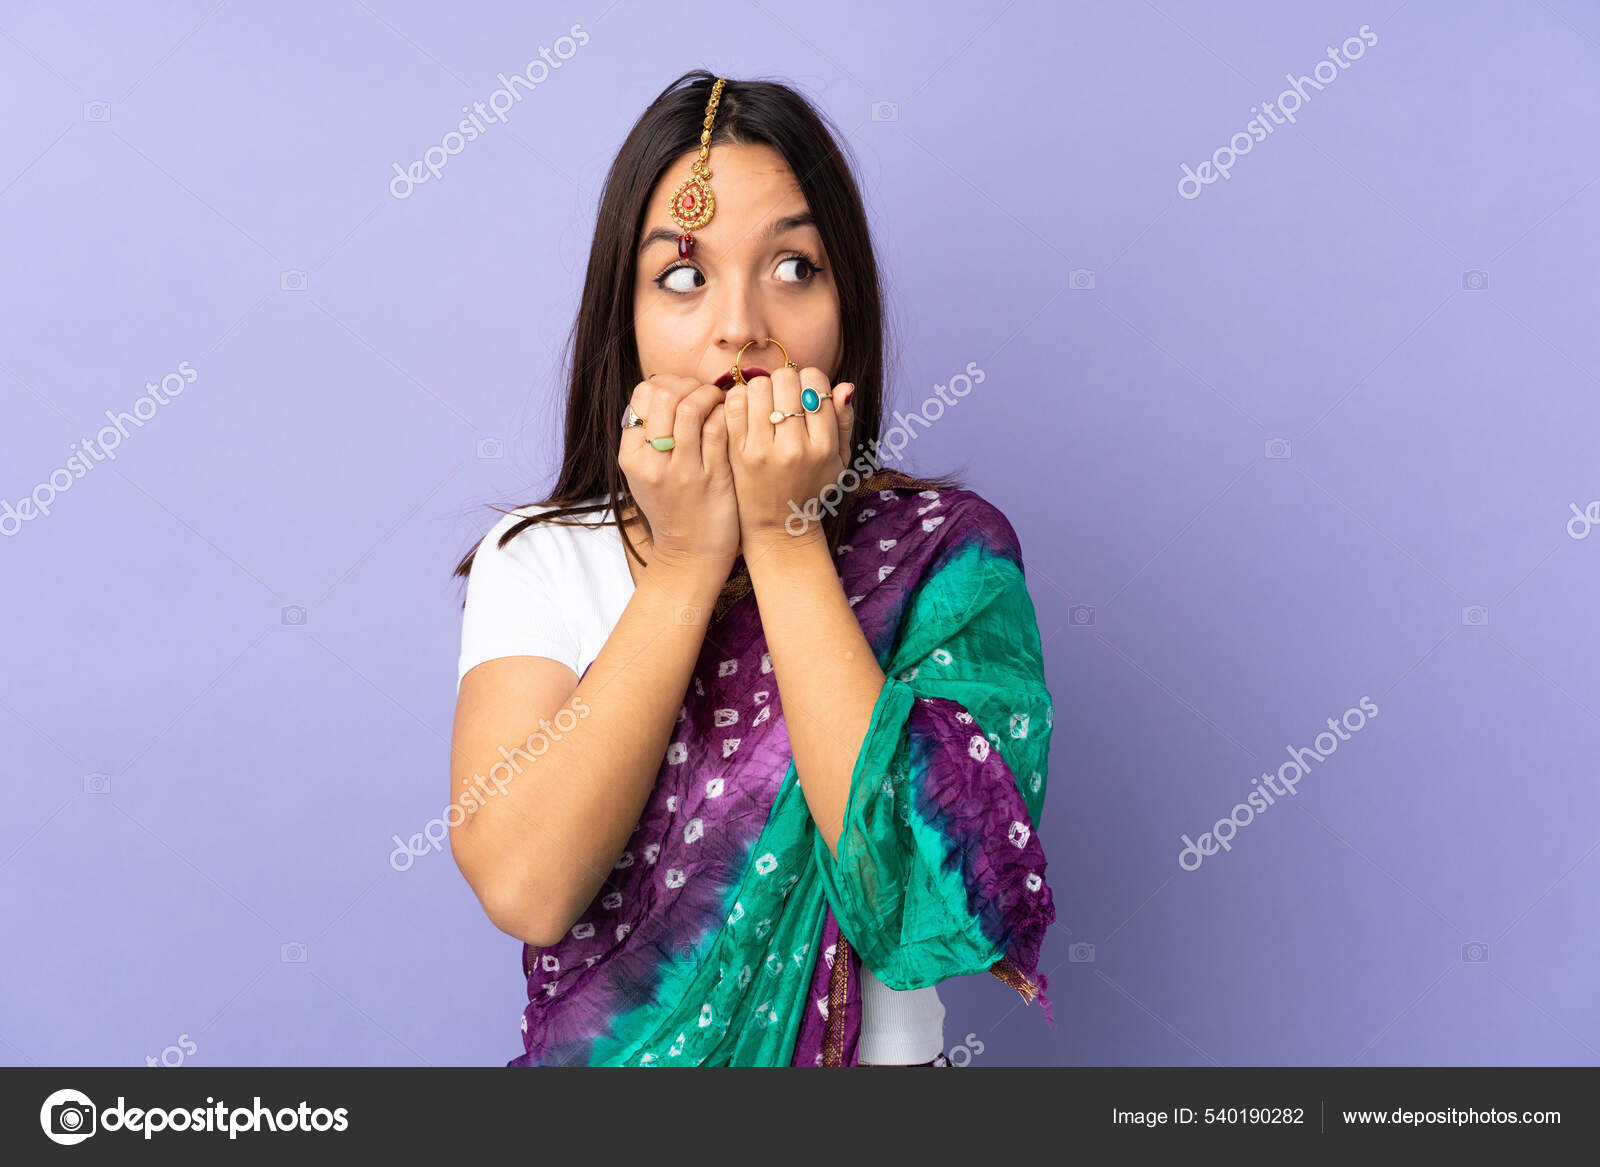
658 915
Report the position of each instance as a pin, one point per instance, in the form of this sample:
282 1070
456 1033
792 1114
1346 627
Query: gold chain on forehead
692 203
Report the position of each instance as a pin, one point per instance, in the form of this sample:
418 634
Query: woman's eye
807 270
682 279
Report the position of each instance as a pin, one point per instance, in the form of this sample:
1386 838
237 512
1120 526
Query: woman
800 724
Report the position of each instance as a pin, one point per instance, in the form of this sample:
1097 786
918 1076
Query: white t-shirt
557 591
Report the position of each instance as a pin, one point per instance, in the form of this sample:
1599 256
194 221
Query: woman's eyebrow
777 227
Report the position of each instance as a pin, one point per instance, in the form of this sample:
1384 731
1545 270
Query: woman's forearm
826 672
548 843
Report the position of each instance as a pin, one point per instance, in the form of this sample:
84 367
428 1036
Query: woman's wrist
783 559
759 543
691 570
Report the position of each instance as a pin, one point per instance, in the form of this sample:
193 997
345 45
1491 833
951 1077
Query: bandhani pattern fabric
728 933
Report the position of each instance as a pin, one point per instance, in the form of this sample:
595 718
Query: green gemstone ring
662 443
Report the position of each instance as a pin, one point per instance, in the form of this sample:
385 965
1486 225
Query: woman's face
758 270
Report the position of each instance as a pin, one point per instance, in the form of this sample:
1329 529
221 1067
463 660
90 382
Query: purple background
328 457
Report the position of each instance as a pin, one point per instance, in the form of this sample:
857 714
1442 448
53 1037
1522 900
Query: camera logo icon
97 783
1475 281
294 614
292 281
1081 953
489 448
1080 279
885 111
1277 448
97 111
293 952
1475 615
1080 615
68 1117
1475 952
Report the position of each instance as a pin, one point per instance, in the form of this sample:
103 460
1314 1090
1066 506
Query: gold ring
738 373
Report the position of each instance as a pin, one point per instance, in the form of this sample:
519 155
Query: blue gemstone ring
811 400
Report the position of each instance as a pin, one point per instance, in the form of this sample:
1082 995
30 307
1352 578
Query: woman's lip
726 380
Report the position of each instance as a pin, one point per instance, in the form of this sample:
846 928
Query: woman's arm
537 853
939 871
827 676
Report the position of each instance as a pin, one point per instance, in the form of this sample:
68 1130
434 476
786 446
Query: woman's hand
779 469
687 492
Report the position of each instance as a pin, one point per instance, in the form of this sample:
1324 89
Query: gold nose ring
738 374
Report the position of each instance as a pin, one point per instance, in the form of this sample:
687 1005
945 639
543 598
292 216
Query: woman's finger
736 411
714 441
633 435
690 417
640 401
820 426
658 413
790 433
844 417
758 417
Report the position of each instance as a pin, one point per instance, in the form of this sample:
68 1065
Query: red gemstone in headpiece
685 246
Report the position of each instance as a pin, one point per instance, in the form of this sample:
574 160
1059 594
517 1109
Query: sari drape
728 934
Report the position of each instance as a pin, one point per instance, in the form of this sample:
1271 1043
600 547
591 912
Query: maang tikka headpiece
692 203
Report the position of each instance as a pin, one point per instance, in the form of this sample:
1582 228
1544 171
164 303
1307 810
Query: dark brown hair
603 358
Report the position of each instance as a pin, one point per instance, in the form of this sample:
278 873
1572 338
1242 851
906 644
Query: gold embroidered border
838 986
1006 969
